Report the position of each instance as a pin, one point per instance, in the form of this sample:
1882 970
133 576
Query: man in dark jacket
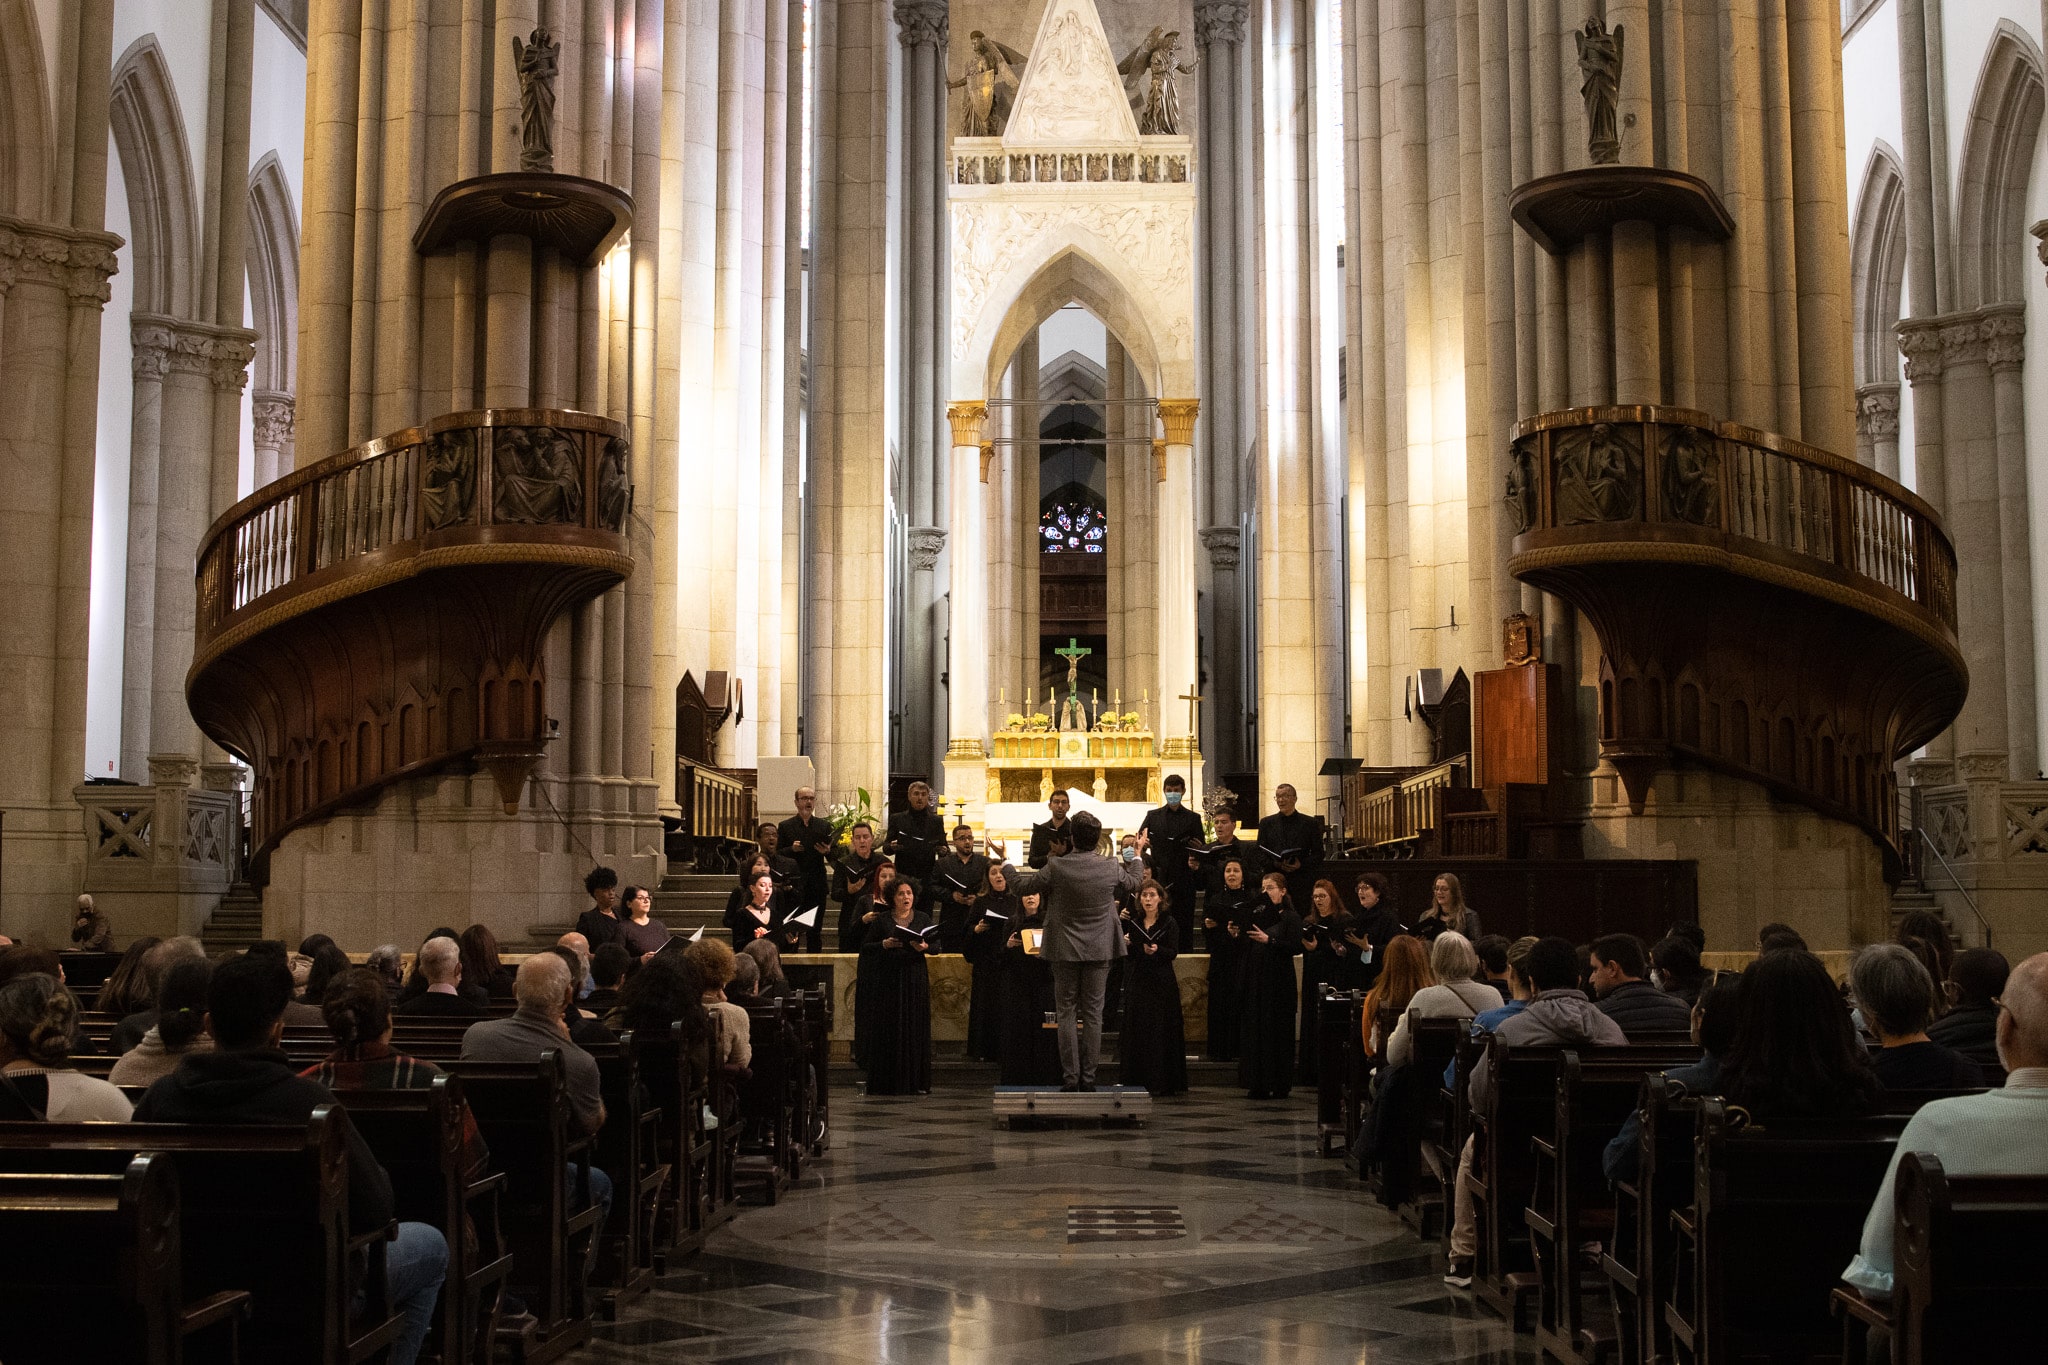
247 1079
808 839
440 963
1619 966
1975 981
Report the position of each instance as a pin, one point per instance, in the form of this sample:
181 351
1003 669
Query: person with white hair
440 963
1452 960
2000 1132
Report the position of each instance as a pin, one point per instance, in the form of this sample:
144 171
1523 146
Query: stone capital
166 345
1223 544
271 414
1920 343
921 23
172 770
1178 415
2040 234
988 456
924 544
1877 409
2003 329
1158 459
1220 21
967 420
78 262
1983 765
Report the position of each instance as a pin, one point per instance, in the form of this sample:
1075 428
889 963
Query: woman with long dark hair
329 962
1328 958
1271 937
896 1047
480 962
1151 1046
988 925
128 989
1447 910
1795 1054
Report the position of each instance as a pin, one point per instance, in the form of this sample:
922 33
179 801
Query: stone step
236 922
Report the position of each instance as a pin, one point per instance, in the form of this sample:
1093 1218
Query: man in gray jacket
1082 938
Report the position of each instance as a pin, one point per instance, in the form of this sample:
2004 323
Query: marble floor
927 1234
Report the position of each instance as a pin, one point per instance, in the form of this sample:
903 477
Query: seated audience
1404 970
1896 996
2000 1132
1690 931
713 959
1775 937
439 964
38 1023
25 959
1713 1028
329 961
1675 968
1925 935
156 965
90 931
129 989
774 985
608 968
416 982
1976 979
481 964
1619 965
666 992
297 1013
388 963
1795 1055
580 946
1455 996
246 1079
583 1025
545 996
1558 1014
1493 964
180 1026
745 989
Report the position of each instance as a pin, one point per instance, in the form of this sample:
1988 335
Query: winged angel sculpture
991 85
1151 66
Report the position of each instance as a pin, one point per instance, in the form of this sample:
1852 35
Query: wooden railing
1406 807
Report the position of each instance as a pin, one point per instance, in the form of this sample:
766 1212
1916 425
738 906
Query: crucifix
1074 652
1194 701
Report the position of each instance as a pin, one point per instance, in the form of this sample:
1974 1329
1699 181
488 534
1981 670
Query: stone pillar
1920 343
1877 427
1180 663
271 417
2004 331
967 635
1223 349
1971 516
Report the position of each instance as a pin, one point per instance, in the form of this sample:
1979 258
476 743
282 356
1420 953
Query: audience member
416 982
38 1023
1795 1054
1775 937
1493 964
1896 996
1454 996
608 968
388 962
580 946
297 1013
713 959
1675 968
439 964
156 966
246 1079
2000 1132
26 959
1925 935
129 989
1713 1028
666 992
1404 972
90 931
1690 931
329 962
179 1027
1976 979
599 924
745 989
1619 965
481 964
774 985
583 1025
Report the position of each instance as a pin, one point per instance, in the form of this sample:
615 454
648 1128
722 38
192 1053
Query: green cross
1073 654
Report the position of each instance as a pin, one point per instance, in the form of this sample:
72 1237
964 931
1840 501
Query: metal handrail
1968 899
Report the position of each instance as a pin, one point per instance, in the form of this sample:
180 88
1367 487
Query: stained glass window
1073 528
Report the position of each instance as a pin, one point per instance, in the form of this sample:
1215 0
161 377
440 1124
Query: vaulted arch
24 114
1070 275
1998 156
149 136
273 277
1877 266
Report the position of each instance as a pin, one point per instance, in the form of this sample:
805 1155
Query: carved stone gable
1071 94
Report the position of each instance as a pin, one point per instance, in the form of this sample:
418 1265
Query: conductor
1082 936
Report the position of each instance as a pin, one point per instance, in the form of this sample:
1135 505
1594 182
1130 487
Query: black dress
984 950
1226 968
1029 1051
853 885
1150 1045
740 921
1326 960
1265 1063
896 1051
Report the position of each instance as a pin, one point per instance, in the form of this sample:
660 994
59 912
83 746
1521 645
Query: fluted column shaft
967 650
1179 648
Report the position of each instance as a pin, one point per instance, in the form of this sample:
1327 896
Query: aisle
929 1235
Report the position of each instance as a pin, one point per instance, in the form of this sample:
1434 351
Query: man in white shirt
2000 1132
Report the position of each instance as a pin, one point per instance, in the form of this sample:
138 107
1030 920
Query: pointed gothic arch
273 278
1998 157
1877 266
149 136
24 114
1069 275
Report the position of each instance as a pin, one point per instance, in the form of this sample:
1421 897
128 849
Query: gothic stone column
1877 427
1179 647
271 416
967 651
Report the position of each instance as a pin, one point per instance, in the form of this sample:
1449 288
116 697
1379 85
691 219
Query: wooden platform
1046 1106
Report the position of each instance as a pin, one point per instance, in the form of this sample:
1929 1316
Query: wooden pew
817 1010
1572 1202
264 1210
90 1270
769 1098
1777 1212
688 1210
1436 1043
1967 1274
417 1136
627 1150
523 1110
1340 1066
1638 1259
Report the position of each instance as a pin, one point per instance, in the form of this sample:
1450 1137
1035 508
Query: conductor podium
1048 1106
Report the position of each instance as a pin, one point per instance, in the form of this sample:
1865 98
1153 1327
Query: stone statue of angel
991 84
1600 66
537 61
1151 65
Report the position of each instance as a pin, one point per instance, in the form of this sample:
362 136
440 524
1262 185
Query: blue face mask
1173 798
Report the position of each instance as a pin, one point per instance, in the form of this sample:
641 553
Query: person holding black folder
853 884
916 837
1173 832
1328 958
994 911
807 839
1291 841
1050 838
1373 927
760 915
1029 1051
894 1037
955 884
1207 859
1151 1046
1225 912
1271 938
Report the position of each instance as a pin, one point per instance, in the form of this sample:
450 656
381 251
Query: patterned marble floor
928 1234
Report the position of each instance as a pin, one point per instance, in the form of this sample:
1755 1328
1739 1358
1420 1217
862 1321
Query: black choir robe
1265 1063
1030 1052
1047 840
1327 959
741 923
988 928
853 886
1220 908
917 839
1151 1045
954 887
1299 837
808 844
893 1013
1174 830
1378 927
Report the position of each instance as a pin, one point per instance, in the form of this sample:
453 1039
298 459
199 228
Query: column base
966 780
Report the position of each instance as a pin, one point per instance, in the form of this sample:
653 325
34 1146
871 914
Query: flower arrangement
1036 723
843 818
1110 720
